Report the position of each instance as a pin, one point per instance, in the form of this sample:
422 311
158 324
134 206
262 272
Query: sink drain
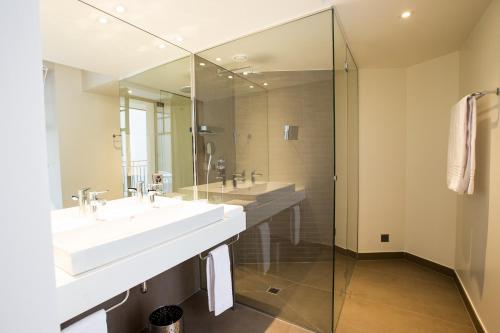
274 291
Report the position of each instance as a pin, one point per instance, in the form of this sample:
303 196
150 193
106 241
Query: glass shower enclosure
276 131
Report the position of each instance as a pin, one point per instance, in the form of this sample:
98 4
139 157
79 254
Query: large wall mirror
117 103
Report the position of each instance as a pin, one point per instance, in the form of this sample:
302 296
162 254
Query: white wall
478 223
431 90
27 283
382 119
86 122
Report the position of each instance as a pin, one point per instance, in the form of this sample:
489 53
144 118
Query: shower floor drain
274 291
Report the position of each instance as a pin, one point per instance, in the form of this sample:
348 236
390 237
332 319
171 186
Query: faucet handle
155 187
93 195
255 174
82 193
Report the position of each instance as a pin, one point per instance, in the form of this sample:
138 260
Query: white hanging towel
95 323
219 284
295 225
265 242
462 146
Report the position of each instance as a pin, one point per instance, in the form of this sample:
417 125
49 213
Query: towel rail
480 94
228 244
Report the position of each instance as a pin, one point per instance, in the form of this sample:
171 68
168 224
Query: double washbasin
124 227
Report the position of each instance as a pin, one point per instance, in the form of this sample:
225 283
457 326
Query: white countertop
76 294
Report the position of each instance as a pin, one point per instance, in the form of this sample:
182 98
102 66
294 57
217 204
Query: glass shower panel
352 164
341 170
281 113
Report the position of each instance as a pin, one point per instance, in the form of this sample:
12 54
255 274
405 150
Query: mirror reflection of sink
259 191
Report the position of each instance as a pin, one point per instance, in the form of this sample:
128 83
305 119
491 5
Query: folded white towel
461 146
295 225
94 323
265 242
219 284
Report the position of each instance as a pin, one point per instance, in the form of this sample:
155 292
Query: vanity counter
76 294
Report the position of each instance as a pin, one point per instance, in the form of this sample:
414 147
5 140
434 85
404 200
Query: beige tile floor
242 320
394 296
384 296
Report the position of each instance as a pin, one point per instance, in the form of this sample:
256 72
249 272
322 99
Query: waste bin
167 319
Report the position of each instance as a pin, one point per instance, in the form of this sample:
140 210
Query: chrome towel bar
228 244
480 94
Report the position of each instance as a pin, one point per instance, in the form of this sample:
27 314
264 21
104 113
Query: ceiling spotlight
218 59
240 57
202 64
120 8
265 83
406 14
245 73
162 46
251 87
103 20
229 76
179 38
130 91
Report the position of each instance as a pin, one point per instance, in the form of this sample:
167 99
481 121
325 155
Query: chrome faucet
94 201
222 178
82 199
254 175
138 190
221 170
154 190
238 176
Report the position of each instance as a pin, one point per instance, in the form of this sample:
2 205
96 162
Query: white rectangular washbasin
127 227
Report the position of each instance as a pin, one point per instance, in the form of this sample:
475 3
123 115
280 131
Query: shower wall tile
251 134
308 161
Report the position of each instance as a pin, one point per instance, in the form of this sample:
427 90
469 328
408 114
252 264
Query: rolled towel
94 323
265 242
295 225
219 283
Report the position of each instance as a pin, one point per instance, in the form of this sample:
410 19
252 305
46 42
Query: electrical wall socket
384 238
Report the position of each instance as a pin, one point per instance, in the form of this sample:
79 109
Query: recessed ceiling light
251 87
130 91
406 14
179 38
103 20
162 46
229 76
245 73
202 64
218 59
120 8
265 83
240 57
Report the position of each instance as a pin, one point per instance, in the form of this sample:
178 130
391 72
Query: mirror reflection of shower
210 150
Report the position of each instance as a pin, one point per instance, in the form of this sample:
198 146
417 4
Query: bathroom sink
124 227
261 192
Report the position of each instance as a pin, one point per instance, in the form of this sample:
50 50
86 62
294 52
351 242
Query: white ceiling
380 38
73 36
377 35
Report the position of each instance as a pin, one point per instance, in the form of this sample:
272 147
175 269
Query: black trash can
167 319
